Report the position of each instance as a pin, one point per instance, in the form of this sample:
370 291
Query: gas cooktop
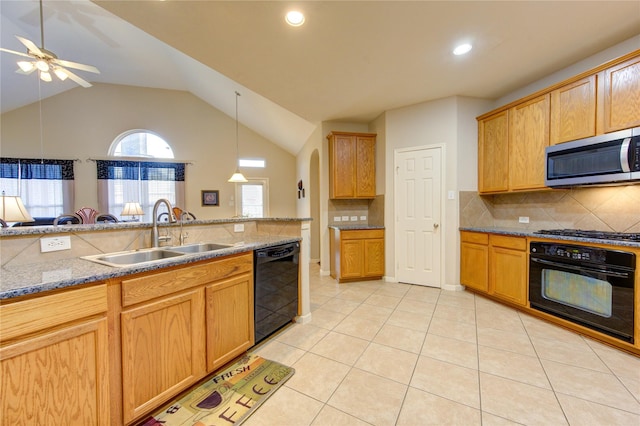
598 235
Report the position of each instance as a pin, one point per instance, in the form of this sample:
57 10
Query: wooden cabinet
229 319
356 254
622 95
474 260
508 268
528 138
495 265
178 325
493 153
163 350
573 111
352 172
54 359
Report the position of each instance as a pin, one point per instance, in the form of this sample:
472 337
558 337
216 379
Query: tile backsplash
599 208
371 210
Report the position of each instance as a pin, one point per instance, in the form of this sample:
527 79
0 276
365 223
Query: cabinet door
573 111
622 96
59 378
342 157
474 266
509 275
163 351
351 258
229 313
373 258
365 167
493 153
528 138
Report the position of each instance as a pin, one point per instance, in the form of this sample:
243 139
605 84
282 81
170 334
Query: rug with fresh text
227 398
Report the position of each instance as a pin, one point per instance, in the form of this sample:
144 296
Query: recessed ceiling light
462 49
294 18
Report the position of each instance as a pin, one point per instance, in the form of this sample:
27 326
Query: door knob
435 226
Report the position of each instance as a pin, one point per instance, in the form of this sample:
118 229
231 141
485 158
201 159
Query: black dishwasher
275 288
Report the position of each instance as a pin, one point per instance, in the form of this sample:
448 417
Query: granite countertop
347 227
533 233
44 276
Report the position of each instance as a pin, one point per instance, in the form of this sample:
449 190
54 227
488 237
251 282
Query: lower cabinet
356 254
229 314
53 359
495 265
178 325
163 350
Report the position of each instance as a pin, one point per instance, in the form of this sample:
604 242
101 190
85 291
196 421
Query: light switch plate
55 244
523 219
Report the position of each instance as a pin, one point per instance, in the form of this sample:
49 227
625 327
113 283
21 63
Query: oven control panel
582 254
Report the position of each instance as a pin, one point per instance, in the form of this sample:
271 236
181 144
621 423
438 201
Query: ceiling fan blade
15 53
20 71
31 46
77 79
82 67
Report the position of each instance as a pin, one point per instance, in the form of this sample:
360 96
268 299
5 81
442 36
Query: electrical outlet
238 227
55 244
337 219
345 218
354 218
363 218
523 219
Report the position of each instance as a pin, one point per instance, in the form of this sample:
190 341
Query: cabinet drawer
149 287
361 234
45 312
474 237
515 243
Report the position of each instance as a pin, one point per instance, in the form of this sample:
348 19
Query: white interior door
418 191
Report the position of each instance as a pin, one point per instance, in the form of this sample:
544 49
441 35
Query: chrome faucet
155 239
183 236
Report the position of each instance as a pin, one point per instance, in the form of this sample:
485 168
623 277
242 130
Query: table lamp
12 210
132 209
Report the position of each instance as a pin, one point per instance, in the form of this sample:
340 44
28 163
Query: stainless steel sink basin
200 247
131 258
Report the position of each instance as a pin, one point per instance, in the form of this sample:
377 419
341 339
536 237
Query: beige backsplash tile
600 208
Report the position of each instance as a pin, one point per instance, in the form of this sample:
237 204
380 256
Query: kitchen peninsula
91 326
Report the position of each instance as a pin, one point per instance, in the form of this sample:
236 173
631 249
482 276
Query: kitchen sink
136 257
200 247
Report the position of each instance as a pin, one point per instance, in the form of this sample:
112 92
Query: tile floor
378 353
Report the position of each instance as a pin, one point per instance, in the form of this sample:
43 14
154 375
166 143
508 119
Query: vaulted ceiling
350 61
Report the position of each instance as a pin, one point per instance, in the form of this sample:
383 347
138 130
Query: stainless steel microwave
612 158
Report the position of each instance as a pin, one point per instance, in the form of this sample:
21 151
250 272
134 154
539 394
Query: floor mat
227 398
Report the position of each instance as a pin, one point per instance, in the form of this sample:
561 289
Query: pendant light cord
237 143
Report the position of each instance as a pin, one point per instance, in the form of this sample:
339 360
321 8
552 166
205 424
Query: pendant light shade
237 177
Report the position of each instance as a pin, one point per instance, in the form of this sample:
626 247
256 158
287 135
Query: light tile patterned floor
378 353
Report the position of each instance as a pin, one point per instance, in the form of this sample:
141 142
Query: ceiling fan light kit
44 60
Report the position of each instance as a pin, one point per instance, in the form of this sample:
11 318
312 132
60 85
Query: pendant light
237 177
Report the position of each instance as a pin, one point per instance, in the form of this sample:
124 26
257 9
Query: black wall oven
590 286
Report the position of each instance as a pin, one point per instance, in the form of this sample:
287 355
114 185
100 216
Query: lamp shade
237 177
132 209
12 210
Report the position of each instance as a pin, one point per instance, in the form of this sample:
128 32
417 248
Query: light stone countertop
533 234
44 276
349 227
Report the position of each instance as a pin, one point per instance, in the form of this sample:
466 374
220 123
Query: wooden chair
67 219
106 217
88 214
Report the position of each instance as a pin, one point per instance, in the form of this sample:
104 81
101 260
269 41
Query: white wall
82 123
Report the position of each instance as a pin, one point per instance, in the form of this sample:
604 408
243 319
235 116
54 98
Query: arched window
143 181
140 143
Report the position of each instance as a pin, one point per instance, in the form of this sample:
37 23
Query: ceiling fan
45 61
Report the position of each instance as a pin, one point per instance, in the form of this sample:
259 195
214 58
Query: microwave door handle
624 155
581 268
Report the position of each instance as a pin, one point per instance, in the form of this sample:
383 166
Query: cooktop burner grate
598 235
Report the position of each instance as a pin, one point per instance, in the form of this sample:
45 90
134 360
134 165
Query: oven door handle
581 268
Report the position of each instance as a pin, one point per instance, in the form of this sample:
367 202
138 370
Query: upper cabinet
512 139
528 137
622 96
352 171
573 111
